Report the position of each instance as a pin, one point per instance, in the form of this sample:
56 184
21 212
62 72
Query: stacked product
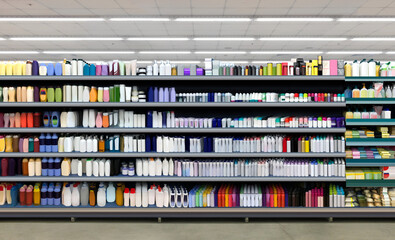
370 197
364 174
369 68
120 118
377 112
79 67
370 153
145 195
376 90
365 132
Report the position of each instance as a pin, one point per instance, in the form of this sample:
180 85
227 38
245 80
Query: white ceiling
187 8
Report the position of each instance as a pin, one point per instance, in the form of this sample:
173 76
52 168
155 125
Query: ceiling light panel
158 39
301 39
213 19
35 19
140 19
312 19
224 39
65 39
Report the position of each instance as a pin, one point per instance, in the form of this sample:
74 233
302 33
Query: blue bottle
57 167
48 143
50 194
54 143
92 70
86 70
50 69
58 69
44 167
51 171
44 194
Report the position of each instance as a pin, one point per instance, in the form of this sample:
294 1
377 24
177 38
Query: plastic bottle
371 92
364 92
355 92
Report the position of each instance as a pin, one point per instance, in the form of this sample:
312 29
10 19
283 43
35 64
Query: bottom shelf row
145 195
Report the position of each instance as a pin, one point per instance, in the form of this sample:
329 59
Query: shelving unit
115 211
170 179
370 79
370 122
172 78
369 162
172 130
111 210
370 101
370 183
370 142
175 155
169 105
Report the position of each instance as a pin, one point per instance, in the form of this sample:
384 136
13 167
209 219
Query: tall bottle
371 92
364 92
356 93
168 68
162 70
320 67
84 194
155 69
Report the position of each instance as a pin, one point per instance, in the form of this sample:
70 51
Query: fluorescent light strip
19 52
65 39
373 39
140 19
312 19
391 52
355 52
285 52
158 39
366 19
2 39
224 39
180 62
88 52
220 52
204 19
300 39
34 19
164 52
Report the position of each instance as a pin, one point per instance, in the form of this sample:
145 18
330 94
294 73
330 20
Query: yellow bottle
349 115
174 71
348 70
8 69
364 91
279 69
18 68
270 69
119 195
314 67
8 144
307 145
23 68
36 195
2 68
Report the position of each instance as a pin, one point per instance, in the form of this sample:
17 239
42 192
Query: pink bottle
98 69
106 94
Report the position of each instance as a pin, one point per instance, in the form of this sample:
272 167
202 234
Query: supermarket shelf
175 155
369 162
370 183
370 122
171 78
169 104
172 130
370 79
74 178
370 100
153 212
370 142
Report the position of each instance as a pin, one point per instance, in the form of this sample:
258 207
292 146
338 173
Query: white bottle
145 167
138 195
355 69
159 197
363 68
372 68
101 196
79 172
171 167
89 167
107 167
144 195
155 69
139 167
75 196
67 196
165 196
101 168
110 193
158 167
151 195
95 168
168 68
165 167
162 70
74 67
151 168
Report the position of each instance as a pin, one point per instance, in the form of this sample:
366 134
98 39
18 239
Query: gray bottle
84 194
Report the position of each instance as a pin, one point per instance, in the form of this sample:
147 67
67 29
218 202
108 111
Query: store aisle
195 229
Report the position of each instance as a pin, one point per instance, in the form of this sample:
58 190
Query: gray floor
187 229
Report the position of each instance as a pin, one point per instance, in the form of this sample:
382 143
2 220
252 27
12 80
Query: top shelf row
198 78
